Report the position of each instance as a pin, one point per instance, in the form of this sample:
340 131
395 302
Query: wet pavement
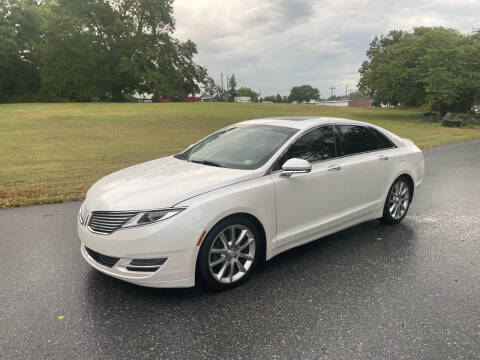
410 291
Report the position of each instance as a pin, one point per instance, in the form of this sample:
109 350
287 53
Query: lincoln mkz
242 195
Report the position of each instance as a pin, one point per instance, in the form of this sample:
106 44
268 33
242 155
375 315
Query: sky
273 45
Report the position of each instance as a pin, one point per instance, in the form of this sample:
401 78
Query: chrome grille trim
83 214
106 222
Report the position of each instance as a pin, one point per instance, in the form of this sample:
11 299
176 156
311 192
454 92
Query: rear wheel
229 253
397 202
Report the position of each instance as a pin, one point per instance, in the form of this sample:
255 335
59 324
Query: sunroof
295 118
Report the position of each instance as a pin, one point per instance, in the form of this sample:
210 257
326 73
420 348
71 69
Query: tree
232 88
271 98
209 89
245 91
358 95
335 98
304 93
428 66
94 49
20 23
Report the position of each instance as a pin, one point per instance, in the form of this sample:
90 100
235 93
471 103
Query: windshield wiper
206 162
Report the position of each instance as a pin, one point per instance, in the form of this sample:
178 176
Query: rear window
384 142
357 139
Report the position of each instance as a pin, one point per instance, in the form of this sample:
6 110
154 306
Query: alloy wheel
399 199
231 254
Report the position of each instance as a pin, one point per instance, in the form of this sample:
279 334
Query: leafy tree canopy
358 95
428 66
335 98
273 98
94 49
19 38
245 91
304 93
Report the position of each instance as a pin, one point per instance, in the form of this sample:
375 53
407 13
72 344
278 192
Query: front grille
104 260
106 222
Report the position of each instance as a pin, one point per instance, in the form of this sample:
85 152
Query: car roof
300 122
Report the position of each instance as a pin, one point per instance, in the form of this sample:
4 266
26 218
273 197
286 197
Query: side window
384 142
357 139
316 145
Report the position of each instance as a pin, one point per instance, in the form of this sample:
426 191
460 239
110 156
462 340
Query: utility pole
346 91
221 80
332 88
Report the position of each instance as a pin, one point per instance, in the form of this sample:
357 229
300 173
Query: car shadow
367 243
296 289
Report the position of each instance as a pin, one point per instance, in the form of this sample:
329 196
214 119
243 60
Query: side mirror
295 166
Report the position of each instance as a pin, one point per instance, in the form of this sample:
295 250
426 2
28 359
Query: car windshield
240 147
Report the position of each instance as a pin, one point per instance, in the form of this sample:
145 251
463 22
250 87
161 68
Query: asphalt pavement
410 291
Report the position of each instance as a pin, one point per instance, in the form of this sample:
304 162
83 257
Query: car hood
158 184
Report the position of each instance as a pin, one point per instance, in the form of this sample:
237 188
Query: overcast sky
273 45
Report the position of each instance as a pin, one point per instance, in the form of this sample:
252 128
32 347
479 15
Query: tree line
87 50
214 92
107 50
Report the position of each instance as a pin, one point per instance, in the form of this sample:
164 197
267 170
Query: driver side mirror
295 166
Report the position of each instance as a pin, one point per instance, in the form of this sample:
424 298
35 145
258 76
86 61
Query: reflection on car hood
158 184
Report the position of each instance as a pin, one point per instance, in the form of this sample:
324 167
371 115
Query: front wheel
397 202
229 253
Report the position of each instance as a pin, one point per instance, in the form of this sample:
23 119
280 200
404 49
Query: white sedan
241 196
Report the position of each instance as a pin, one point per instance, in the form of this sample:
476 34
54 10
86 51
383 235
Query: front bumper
174 239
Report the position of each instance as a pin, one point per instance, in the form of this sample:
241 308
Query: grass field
55 152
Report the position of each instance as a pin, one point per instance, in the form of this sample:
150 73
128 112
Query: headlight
149 217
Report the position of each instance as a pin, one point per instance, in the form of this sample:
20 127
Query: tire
222 264
397 202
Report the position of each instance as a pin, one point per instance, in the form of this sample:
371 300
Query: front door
305 201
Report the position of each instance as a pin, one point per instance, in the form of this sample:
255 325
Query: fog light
145 265
148 262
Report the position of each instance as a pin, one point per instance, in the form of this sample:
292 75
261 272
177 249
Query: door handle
335 168
383 157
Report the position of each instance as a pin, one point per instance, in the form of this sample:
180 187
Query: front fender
255 197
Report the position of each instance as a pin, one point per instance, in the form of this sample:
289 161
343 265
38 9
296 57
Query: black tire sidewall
203 269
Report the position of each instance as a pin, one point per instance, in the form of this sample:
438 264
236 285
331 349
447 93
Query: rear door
366 160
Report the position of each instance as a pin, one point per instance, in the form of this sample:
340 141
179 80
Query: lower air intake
104 260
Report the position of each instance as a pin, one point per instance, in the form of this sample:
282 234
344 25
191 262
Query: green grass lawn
55 152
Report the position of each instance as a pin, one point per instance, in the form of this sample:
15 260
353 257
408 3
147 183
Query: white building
343 103
142 97
243 99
